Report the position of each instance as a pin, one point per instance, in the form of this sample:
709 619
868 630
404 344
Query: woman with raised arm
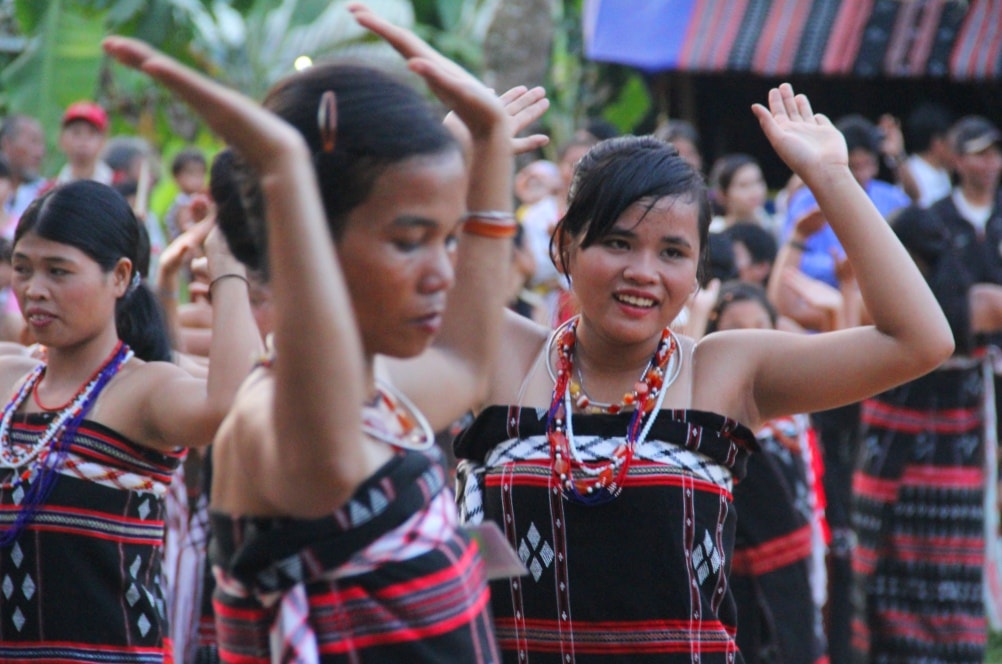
609 448
89 437
336 538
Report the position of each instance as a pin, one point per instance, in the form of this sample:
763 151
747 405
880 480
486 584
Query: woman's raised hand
807 141
257 134
475 104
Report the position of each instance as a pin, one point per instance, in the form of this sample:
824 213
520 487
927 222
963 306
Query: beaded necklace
33 468
393 419
595 483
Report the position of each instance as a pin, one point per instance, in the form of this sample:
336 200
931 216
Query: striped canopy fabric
898 38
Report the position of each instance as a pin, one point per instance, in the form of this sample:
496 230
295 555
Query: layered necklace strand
595 483
30 465
393 419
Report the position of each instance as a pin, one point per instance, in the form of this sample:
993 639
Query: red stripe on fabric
917 627
846 36
767 39
909 420
989 68
966 44
734 18
774 554
925 37
465 617
633 479
599 638
799 11
874 488
902 33
952 478
696 33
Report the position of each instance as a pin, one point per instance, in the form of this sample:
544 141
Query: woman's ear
560 252
122 275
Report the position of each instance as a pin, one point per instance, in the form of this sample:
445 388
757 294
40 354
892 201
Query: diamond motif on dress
28 587
535 552
533 536
18 495
132 595
8 587
18 619
134 568
144 624
358 513
144 510
17 555
706 558
378 500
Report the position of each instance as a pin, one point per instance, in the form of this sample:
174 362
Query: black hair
721 263
739 291
761 244
927 239
5 171
186 157
926 122
6 250
859 133
615 174
381 121
726 167
95 219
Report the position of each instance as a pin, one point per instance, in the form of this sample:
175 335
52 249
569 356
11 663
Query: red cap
87 111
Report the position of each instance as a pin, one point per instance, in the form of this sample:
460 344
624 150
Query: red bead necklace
595 483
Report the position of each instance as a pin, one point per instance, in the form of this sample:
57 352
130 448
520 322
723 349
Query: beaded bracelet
227 276
495 216
491 230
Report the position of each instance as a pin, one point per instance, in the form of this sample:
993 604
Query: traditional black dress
642 578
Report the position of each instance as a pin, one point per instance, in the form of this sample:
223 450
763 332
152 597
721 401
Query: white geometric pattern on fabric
535 552
595 448
706 559
77 466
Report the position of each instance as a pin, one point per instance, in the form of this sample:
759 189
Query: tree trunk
518 42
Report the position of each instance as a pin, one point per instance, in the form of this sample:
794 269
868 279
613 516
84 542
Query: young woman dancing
337 540
610 446
90 436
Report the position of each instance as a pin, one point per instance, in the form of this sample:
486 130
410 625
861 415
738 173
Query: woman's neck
609 366
70 366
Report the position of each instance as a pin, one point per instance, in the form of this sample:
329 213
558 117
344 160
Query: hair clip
327 120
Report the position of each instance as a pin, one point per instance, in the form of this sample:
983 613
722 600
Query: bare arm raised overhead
318 418
779 374
460 357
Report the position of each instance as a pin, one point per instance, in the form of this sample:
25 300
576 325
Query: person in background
754 251
921 479
931 160
22 143
685 137
738 190
91 432
777 572
189 169
82 138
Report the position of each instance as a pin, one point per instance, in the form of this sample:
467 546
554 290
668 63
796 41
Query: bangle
496 216
228 275
796 244
490 229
